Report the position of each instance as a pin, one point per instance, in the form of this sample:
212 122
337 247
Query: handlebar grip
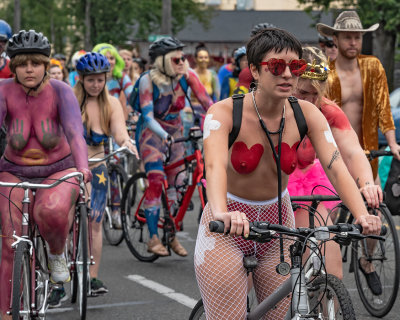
383 229
216 226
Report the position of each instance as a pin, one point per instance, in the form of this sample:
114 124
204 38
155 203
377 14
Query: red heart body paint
245 160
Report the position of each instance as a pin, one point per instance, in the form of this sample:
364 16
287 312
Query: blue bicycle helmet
92 63
5 31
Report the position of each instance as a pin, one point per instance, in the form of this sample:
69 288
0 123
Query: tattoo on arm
335 156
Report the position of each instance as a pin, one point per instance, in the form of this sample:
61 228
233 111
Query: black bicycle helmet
92 63
261 26
162 46
28 42
60 56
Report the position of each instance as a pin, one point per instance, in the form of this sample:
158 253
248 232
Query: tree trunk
17 16
87 42
166 27
384 49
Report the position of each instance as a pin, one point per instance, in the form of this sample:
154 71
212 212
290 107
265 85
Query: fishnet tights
218 260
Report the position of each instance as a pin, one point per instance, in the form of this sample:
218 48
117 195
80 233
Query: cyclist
73 76
118 81
5 34
159 124
328 46
45 142
62 59
241 179
309 172
102 117
228 85
55 70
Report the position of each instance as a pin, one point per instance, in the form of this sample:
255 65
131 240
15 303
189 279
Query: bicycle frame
194 181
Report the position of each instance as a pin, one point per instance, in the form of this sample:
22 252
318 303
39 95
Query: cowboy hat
346 21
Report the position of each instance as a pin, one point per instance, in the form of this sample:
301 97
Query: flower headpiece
316 71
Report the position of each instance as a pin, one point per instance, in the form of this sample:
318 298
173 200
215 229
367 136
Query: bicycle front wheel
42 277
136 231
21 283
198 311
329 299
112 218
384 255
80 275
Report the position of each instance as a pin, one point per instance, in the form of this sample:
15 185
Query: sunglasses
278 66
330 44
177 60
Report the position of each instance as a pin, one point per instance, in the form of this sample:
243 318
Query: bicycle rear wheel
136 232
21 283
384 255
112 231
329 299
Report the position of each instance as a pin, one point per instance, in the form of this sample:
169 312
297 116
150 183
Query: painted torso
38 125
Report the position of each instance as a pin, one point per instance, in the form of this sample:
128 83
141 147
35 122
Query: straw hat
346 21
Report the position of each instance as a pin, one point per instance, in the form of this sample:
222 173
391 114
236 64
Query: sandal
155 246
177 248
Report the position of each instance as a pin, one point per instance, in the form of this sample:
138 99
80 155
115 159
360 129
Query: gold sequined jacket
376 104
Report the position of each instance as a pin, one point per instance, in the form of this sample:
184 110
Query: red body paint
245 160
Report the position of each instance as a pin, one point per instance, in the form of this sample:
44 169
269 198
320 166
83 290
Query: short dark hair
270 39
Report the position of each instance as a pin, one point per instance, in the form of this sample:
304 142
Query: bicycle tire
198 312
72 263
42 276
136 233
114 235
386 260
21 283
327 289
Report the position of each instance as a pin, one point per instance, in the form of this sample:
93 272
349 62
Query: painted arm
325 145
147 107
198 90
217 125
118 126
71 122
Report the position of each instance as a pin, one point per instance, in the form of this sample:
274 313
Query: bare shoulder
311 113
114 103
222 110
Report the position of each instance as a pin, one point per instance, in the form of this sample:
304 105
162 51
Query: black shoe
97 287
57 295
373 281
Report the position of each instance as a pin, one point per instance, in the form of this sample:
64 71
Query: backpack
134 100
237 117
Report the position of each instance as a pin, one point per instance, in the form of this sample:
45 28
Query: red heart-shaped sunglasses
278 66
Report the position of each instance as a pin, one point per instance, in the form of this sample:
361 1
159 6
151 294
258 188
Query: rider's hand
372 194
236 220
395 149
129 144
87 175
371 224
169 140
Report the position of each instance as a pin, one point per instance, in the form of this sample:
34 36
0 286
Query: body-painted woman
309 173
160 122
45 142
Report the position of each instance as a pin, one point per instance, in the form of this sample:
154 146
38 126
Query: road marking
100 306
168 292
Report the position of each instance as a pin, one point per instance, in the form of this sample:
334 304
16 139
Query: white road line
168 292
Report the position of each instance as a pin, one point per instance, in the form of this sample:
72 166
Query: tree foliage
63 21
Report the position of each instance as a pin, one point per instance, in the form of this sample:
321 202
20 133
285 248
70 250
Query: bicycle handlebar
261 230
120 149
372 154
28 185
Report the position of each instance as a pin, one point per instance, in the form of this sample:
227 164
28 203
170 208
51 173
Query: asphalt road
164 289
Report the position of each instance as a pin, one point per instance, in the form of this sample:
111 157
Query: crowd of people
55 118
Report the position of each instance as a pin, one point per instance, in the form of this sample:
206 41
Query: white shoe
58 269
116 220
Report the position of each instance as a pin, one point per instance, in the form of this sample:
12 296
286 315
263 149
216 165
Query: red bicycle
172 211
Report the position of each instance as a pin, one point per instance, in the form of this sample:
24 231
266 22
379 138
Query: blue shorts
98 196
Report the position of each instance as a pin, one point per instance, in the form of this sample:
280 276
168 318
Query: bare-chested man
357 83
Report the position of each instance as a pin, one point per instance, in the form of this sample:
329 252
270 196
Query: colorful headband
316 71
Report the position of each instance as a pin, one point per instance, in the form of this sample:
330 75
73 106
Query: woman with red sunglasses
248 182
160 123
